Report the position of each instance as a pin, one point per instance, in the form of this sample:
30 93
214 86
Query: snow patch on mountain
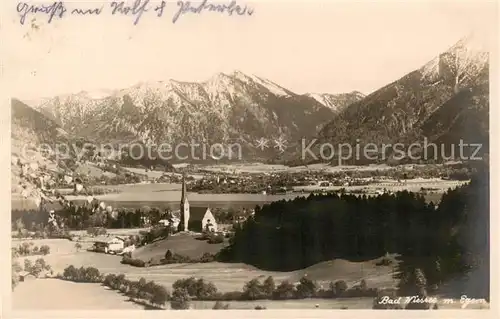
321 99
271 86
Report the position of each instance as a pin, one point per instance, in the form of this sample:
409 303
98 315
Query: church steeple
184 191
183 225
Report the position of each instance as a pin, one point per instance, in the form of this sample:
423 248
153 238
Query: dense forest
441 241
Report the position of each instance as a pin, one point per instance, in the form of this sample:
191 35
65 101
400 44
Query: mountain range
227 108
445 100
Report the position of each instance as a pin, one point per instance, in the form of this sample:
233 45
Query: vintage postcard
237 155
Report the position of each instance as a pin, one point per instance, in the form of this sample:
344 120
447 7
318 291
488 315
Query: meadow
55 294
52 294
226 276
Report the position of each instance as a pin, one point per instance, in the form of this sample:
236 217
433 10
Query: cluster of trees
82 274
155 233
199 289
289 235
35 268
82 217
187 289
170 258
38 227
141 290
30 249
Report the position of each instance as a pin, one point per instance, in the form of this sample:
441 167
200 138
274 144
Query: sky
305 46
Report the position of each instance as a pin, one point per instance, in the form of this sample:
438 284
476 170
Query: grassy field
226 276
55 294
179 243
52 294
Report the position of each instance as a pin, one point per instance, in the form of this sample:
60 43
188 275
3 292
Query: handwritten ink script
464 301
136 9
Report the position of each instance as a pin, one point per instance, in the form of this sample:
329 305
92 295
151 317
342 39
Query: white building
109 244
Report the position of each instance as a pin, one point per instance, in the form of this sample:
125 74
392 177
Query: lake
166 195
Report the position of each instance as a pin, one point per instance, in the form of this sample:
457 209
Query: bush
16 267
180 299
306 288
220 306
173 258
216 239
197 288
253 290
39 266
28 265
155 262
207 258
44 250
268 287
159 295
133 262
169 255
108 280
340 287
284 291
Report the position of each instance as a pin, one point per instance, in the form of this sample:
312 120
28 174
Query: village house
166 222
109 244
196 219
25 275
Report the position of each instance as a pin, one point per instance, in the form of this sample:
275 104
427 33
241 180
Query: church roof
197 213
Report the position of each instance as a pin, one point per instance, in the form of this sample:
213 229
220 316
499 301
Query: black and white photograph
239 155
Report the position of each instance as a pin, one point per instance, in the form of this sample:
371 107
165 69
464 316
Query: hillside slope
29 130
445 100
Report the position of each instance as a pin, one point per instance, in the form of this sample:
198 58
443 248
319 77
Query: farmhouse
109 244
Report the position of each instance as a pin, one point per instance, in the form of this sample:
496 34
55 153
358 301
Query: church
197 219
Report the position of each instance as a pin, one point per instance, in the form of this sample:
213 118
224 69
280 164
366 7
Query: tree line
440 241
187 289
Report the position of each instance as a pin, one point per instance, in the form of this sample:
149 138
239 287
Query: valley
268 229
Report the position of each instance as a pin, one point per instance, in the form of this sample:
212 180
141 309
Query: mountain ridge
225 107
455 84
